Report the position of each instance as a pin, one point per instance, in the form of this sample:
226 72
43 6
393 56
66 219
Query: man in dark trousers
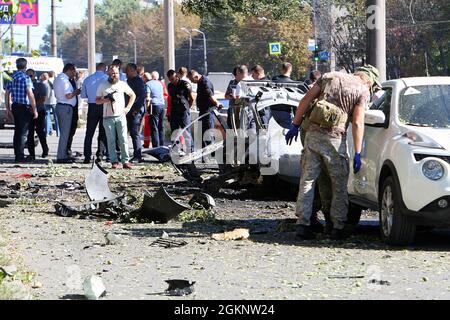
283 113
95 114
136 114
75 117
205 102
23 109
38 125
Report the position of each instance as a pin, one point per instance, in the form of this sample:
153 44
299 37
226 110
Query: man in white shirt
111 93
95 114
66 97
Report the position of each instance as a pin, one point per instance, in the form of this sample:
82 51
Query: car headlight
433 170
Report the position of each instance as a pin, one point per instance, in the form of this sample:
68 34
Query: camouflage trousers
322 194
322 150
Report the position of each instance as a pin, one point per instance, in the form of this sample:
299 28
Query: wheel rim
387 211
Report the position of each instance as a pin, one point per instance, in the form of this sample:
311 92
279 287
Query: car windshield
426 106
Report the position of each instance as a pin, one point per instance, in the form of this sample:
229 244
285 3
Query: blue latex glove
292 133
357 163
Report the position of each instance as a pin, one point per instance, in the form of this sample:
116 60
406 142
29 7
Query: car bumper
430 218
418 191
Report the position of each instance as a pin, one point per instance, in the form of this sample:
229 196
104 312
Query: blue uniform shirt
205 90
90 85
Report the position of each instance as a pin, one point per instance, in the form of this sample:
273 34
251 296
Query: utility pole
54 36
315 30
376 35
29 39
91 37
169 36
205 55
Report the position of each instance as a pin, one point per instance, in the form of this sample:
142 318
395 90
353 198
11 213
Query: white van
39 64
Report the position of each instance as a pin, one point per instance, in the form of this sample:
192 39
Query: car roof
421 81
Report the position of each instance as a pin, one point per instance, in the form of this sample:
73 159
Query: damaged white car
406 154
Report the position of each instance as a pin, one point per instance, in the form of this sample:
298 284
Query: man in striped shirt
20 92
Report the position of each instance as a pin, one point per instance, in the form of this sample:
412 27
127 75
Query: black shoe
328 228
87 161
30 159
338 234
136 160
305 232
45 154
316 226
65 161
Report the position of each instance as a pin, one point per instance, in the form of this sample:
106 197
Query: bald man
156 106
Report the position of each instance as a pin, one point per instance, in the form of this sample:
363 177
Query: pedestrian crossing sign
275 48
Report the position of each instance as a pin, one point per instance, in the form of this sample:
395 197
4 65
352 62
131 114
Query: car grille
420 157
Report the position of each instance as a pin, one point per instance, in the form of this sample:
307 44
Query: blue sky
69 11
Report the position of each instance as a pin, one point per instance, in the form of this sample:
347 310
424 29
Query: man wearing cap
339 99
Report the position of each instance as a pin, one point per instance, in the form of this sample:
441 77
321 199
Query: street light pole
190 46
376 35
205 56
54 35
135 45
91 36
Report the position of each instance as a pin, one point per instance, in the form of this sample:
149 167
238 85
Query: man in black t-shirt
205 102
38 125
180 93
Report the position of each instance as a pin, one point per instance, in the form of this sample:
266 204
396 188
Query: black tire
354 214
395 227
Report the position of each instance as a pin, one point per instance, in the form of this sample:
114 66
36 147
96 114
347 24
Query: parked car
406 159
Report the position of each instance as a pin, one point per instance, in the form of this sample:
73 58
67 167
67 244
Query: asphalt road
272 264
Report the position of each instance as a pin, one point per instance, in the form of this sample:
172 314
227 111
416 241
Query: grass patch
55 171
199 215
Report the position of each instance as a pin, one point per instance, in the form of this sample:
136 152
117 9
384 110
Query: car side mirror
375 117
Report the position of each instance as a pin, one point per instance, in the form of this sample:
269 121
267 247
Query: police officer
205 101
180 92
341 98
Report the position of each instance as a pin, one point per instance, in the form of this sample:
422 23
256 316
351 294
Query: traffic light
316 56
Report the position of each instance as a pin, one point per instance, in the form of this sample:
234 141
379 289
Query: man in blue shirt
95 114
20 92
136 114
205 102
156 106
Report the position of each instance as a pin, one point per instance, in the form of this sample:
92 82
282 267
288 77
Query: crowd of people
117 103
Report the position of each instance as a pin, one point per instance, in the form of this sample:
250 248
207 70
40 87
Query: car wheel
354 214
396 227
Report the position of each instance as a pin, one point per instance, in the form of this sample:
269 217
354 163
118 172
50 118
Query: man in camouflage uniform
326 146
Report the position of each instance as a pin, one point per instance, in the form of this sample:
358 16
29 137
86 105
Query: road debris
94 288
345 277
379 282
179 288
204 200
169 243
165 235
97 184
237 234
36 285
160 207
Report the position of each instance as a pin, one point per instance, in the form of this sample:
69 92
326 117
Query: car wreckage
246 142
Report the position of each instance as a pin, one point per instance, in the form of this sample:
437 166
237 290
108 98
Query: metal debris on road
179 288
169 243
160 207
112 239
97 184
380 282
112 207
204 200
